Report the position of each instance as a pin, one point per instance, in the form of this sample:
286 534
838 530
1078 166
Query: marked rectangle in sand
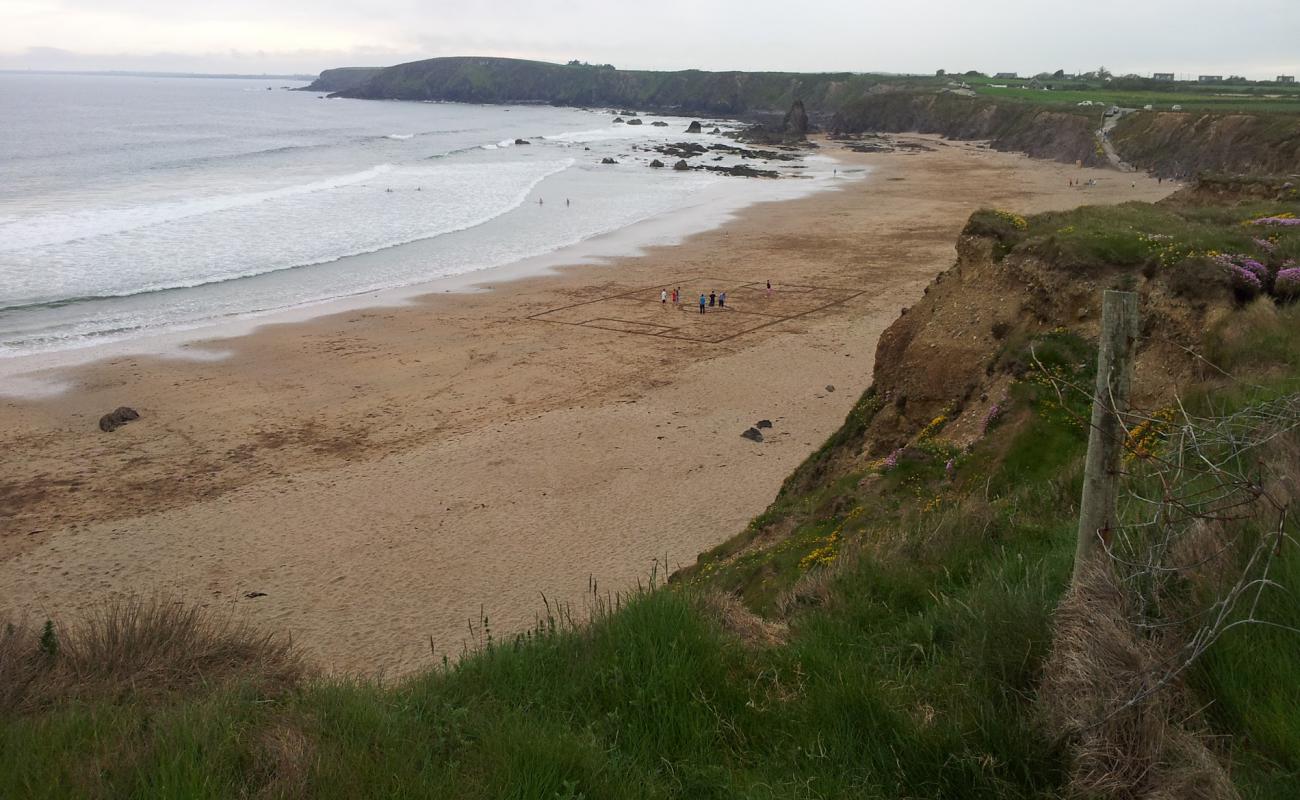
750 307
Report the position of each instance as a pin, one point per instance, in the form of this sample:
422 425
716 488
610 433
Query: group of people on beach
713 299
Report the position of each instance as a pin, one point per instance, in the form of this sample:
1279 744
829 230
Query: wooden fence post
1118 342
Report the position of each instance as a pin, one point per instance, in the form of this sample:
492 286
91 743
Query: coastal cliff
508 80
1165 143
1042 132
1183 144
342 79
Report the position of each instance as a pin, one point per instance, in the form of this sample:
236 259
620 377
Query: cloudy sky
1256 38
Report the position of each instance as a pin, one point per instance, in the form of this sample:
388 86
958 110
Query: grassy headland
1226 128
881 630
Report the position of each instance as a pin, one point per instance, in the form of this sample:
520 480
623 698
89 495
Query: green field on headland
885 629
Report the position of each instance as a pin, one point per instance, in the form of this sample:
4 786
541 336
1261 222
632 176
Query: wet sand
380 476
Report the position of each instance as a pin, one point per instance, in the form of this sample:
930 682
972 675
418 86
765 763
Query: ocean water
133 206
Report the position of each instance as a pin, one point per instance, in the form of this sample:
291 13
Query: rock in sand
117 418
752 434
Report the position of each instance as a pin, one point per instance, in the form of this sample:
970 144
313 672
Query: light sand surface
383 474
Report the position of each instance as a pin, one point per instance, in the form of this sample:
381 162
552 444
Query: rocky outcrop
694 127
795 122
656 163
681 166
634 121
608 160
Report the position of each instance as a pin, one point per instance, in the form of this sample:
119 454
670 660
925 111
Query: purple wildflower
1285 222
1259 270
991 417
1287 284
1265 245
950 469
1245 277
891 460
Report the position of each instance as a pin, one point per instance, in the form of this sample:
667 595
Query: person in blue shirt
703 300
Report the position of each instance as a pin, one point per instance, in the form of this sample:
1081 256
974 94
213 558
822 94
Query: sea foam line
57 229
158 287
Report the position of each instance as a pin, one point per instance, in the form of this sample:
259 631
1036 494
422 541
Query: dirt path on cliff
372 480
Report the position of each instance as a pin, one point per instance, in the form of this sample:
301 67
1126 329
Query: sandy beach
372 480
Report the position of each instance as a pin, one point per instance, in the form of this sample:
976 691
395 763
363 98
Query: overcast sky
1255 38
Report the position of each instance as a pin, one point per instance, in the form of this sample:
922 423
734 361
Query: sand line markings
739 320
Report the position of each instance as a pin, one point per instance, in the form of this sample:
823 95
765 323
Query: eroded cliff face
950 352
1055 134
1177 144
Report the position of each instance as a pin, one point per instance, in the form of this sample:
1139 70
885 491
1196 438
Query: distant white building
1286 79
1163 76
1209 79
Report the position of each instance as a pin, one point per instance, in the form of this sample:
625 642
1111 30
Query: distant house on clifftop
1163 76
1286 79
1209 79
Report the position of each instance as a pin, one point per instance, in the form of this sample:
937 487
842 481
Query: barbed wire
1200 492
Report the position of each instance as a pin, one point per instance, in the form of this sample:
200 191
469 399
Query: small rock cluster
755 434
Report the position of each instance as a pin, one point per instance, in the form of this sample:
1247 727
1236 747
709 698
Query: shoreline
21 372
383 474
24 374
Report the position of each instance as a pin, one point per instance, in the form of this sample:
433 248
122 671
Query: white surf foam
232 241
52 229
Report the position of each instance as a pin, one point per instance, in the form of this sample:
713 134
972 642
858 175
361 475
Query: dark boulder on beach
522 141
716 129
681 165
659 124
752 434
634 121
617 120
694 127
656 163
608 160
763 423
743 171
117 418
